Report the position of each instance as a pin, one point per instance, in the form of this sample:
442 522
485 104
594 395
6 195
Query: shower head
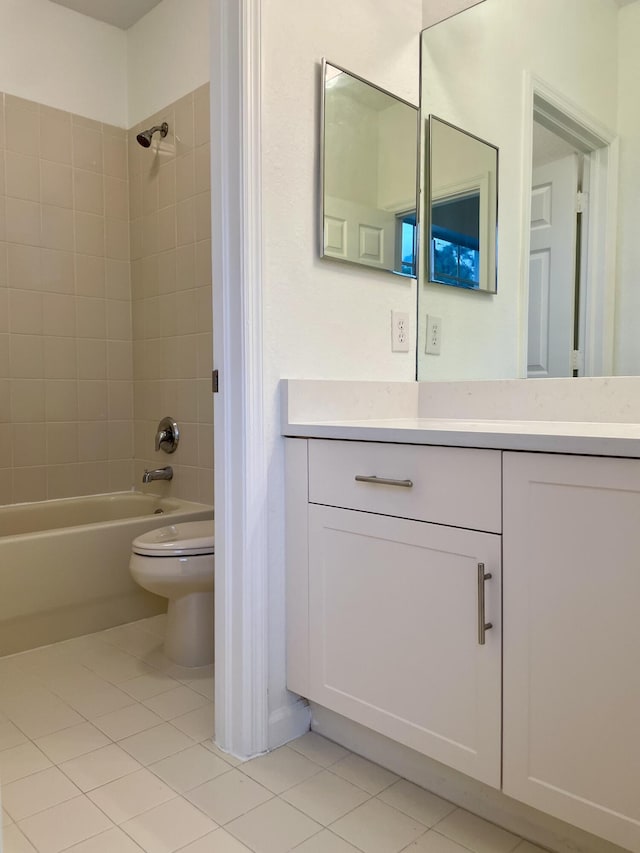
146 136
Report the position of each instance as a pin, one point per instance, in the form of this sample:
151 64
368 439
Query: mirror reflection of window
463 181
455 235
369 175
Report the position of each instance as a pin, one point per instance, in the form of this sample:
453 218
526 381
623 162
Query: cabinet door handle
482 625
384 481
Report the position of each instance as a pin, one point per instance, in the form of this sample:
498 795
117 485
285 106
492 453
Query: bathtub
64 565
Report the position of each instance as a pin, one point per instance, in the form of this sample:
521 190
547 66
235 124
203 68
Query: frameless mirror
369 174
462 199
563 113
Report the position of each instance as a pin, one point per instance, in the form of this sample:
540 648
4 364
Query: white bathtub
64 565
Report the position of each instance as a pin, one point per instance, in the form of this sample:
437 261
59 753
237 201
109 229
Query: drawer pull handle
384 481
482 625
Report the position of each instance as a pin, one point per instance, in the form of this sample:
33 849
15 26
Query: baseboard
288 722
482 800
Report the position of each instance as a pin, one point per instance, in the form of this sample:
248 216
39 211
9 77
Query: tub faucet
158 474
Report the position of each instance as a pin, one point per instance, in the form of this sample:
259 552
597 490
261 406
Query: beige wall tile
29 484
55 135
5 370
22 126
25 312
120 444
120 401
62 443
116 199
4 310
203 263
92 359
27 398
167 228
59 315
202 205
56 184
60 358
118 285
22 222
185 176
119 360
92 441
22 176
29 445
88 190
202 115
57 274
118 320
61 400
115 156
102 247
150 195
57 228
186 222
91 318
87 148
203 168
89 234
184 124
90 275
117 239
167 184
26 356
23 266
92 400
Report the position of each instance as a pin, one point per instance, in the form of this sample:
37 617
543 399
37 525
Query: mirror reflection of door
553 277
564 285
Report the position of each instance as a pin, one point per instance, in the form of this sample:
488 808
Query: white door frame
240 464
602 145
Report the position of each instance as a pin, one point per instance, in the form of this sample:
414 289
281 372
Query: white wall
436 10
322 319
627 352
53 55
480 87
168 55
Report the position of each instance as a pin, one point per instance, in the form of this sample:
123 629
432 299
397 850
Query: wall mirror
369 174
462 216
563 114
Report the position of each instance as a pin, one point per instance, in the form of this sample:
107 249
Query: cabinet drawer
449 485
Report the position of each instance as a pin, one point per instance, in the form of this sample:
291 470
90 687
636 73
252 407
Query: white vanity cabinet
572 640
389 593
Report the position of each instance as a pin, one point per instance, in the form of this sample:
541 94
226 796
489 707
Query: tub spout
158 474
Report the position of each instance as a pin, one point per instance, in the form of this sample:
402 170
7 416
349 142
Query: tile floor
105 747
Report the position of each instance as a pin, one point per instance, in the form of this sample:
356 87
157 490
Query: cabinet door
572 640
393 613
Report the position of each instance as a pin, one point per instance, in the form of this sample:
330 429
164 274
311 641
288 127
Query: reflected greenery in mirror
462 199
369 187
556 107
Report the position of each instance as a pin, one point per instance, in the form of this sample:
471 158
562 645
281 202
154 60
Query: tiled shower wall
170 204
69 286
66 385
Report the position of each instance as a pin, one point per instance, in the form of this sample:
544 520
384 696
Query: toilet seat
191 538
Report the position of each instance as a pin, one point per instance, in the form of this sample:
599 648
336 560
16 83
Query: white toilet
177 562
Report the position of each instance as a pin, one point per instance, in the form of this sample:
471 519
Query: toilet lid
188 538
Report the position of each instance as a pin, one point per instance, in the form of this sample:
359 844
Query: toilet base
189 637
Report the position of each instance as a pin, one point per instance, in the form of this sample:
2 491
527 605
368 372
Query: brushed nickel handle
482 625
384 481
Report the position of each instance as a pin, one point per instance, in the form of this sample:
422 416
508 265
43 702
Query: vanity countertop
597 417
597 439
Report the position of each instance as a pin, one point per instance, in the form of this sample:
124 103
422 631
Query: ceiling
119 13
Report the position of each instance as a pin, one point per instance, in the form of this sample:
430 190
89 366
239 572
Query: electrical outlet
399 331
434 335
